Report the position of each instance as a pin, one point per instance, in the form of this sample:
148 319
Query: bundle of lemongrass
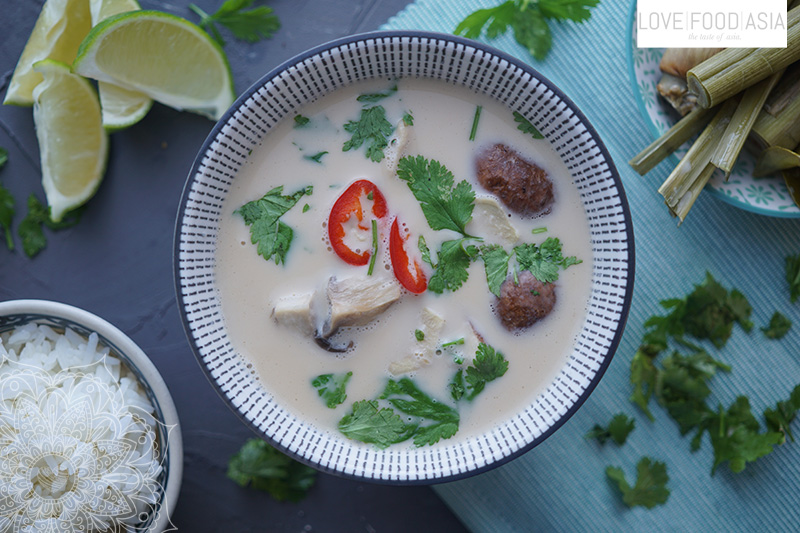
742 93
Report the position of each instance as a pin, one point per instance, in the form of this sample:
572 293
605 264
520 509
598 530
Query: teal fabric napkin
561 484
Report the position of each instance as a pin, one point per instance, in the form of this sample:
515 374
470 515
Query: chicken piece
397 146
489 220
521 185
522 304
296 312
358 300
423 350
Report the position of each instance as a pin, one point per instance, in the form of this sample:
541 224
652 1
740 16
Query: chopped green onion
538 230
475 121
453 343
374 247
419 335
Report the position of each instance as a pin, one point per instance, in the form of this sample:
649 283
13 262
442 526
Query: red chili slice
347 205
413 281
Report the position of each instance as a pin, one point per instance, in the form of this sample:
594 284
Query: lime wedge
121 107
163 56
59 30
73 145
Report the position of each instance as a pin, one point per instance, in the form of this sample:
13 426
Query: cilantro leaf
300 121
487 366
31 228
545 260
736 438
495 262
528 21
451 270
526 127
374 97
778 326
784 413
408 118
651 484
317 158
424 251
271 236
7 203
617 430
371 128
644 376
793 276
437 420
457 386
445 205
262 467
3 157
371 424
248 25
711 312
332 388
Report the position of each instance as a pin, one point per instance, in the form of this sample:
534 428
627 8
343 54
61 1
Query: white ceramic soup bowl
393 55
66 418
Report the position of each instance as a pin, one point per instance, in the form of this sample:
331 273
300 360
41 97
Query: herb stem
453 343
374 247
475 121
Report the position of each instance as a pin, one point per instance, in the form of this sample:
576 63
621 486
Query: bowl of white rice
89 434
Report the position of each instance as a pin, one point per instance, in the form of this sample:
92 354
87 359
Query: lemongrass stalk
732 141
685 203
698 156
775 158
671 140
735 69
778 124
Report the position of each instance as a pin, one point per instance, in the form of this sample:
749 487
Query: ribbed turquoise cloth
561 485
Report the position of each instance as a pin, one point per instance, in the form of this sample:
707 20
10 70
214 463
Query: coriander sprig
249 25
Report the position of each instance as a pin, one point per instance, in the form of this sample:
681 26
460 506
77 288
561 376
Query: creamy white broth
249 286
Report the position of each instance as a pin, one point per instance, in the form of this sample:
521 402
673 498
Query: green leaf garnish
475 121
651 484
617 430
271 236
31 230
300 121
248 25
371 129
374 97
451 268
487 366
408 119
7 204
525 126
317 158
436 419
545 260
778 326
371 424
495 262
332 388
262 467
419 335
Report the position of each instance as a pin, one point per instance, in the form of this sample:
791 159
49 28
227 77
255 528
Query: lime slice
121 107
59 30
72 142
165 57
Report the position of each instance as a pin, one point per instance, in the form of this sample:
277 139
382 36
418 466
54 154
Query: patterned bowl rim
637 94
123 347
471 44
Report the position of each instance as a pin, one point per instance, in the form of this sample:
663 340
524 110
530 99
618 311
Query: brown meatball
521 305
521 185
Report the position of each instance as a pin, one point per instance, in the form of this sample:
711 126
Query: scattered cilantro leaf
617 430
545 260
317 158
3 157
419 335
644 375
457 386
528 20
437 420
374 97
7 203
780 418
262 467
495 262
408 119
248 25
651 484
711 311
451 268
425 251
332 388
736 438
526 127
31 230
778 326
446 205
271 236
487 366
300 121
793 276
371 128
306 207
371 424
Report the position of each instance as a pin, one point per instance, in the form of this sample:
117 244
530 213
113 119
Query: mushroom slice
423 350
489 219
357 301
295 311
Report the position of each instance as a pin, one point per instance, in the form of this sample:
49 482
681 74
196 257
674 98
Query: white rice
78 446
